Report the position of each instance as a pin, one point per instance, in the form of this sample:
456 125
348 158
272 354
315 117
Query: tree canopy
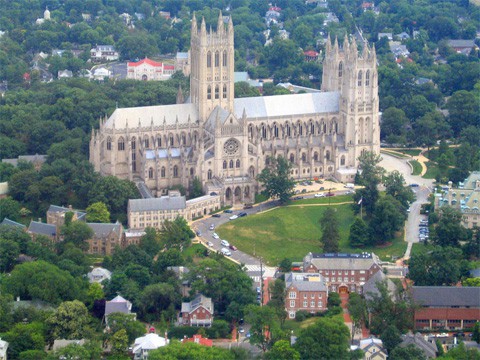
276 179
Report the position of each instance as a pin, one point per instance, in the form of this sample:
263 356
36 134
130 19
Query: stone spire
180 98
203 28
220 28
194 25
230 28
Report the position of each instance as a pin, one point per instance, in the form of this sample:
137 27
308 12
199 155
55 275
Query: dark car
233 247
228 211
198 233
242 214
213 194
248 206
297 198
216 215
330 194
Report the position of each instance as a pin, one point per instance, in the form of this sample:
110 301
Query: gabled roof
340 261
198 301
428 348
148 342
370 288
42 229
145 61
102 230
99 274
81 215
118 304
305 281
8 222
446 296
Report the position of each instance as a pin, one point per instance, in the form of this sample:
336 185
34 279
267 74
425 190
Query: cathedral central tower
212 67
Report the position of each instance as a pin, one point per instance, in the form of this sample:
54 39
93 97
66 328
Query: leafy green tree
77 233
91 350
276 180
9 208
176 234
277 299
33 355
98 213
22 337
358 311
196 188
328 338
42 281
461 352
243 89
449 230
71 320
443 266
133 328
9 251
471 282
282 350
410 352
119 342
149 242
285 265
463 110
179 351
171 257
394 124
395 186
94 292
391 337
265 329
359 235
6 307
476 332
387 218
158 298
330 233
6 171
370 177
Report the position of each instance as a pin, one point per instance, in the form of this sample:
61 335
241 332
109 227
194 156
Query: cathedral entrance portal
228 195
238 194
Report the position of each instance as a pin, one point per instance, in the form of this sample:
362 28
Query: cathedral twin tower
225 142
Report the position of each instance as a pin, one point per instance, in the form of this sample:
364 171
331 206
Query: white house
143 345
3 349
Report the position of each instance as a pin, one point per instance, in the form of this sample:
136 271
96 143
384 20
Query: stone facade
225 142
149 70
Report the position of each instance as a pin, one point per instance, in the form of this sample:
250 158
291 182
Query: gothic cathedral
225 142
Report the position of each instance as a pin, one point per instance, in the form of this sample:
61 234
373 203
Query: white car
225 243
226 252
209 243
233 217
215 236
319 195
212 227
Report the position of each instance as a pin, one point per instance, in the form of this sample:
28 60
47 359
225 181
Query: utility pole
261 282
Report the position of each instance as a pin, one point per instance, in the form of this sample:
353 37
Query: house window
312 303
217 59
340 69
209 174
292 303
121 144
320 304
231 164
292 295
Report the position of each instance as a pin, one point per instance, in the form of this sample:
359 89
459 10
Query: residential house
398 49
8 222
257 273
198 312
132 237
153 212
462 46
3 189
367 6
117 305
101 74
180 272
402 36
39 228
305 291
373 349
446 307
466 199
148 69
65 74
198 339
429 348
106 237
56 215
104 53
98 275
165 14
3 349
343 273
310 55
243 76
330 17
389 36
143 345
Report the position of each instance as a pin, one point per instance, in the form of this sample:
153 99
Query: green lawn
411 152
417 168
432 170
420 248
293 231
394 154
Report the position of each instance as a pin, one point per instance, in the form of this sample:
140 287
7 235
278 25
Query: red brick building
305 291
446 307
198 312
198 339
343 273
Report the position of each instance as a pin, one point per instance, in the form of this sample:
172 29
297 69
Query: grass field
411 152
432 170
417 168
293 231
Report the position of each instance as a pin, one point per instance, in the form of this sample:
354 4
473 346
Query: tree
394 124
476 332
277 299
118 321
330 234
328 338
178 351
98 213
149 242
410 352
196 188
391 337
443 266
370 176
463 110
449 230
9 208
43 281
243 89
395 186
119 342
282 350
9 251
91 350
359 235
77 233
23 337
387 218
358 311
276 179
158 298
285 265
176 234
265 329
71 320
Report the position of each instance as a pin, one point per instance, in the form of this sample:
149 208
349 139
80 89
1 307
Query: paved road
422 192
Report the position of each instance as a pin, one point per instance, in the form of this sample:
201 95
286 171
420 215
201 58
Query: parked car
233 247
414 185
319 195
297 198
233 217
216 215
213 194
209 243
248 206
225 243
330 194
242 214
226 252
211 227
228 211
241 330
198 233
215 236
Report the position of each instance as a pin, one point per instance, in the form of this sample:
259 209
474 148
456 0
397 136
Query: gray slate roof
446 296
287 105
461 43
81 215
102 230
42 228
428 348
198 301
155 204
339 261
118 304
370 288
301 283
8 222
